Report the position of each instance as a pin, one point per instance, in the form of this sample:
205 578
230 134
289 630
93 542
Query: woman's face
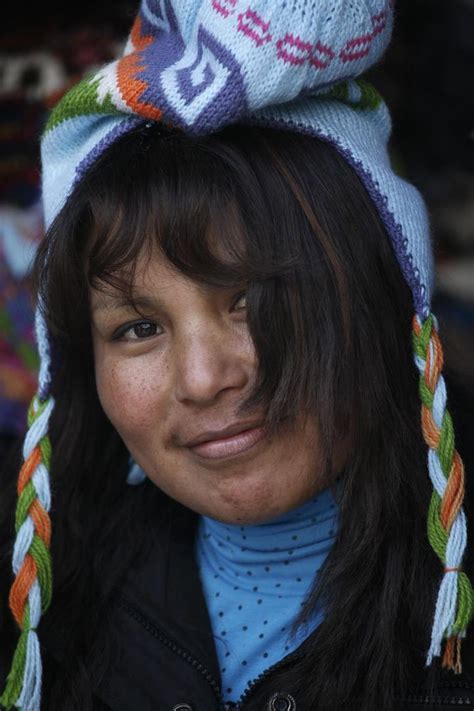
176 373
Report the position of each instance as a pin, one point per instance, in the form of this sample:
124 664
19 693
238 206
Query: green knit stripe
42 558
32 410
35 409
465 611
45 446
15 677
426 396
445 449
26 498
81 100
437 535
370 98
339 92
421 341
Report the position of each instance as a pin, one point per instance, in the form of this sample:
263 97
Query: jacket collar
166 588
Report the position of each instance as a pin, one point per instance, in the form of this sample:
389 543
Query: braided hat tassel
30 594
447 530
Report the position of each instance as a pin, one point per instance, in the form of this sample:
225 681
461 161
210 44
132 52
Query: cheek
132 394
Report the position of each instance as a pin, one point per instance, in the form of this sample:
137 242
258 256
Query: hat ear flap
447 530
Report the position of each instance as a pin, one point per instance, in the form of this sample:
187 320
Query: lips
230 445
226 432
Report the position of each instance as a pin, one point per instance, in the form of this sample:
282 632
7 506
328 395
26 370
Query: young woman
229 305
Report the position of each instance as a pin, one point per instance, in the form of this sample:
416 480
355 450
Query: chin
243 508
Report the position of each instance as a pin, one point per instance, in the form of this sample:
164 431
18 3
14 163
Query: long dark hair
330 315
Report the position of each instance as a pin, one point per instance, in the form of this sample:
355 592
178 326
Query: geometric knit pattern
199 65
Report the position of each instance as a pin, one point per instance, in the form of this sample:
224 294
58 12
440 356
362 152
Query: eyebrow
107 302
112 302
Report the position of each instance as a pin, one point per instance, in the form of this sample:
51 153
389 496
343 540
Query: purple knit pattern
125 125
167 49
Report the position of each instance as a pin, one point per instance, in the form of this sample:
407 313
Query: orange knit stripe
41 521
21 587
438 349
128 67
131 89
448 657
138 41
433 371
28 468
431 432
452 655
428 368
454 492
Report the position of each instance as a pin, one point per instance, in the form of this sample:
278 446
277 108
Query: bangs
205 212
278 212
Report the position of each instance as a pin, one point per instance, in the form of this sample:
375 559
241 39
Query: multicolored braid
30 594
447 530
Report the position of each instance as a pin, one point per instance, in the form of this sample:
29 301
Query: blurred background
426 79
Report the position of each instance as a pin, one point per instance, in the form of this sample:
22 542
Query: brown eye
138 331
241 302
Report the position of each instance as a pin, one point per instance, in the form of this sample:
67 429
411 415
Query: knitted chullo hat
199 65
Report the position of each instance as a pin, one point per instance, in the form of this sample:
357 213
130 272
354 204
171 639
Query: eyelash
120 334
239 296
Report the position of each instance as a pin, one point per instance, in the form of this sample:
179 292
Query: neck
295 540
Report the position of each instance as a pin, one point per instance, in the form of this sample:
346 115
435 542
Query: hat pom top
201 65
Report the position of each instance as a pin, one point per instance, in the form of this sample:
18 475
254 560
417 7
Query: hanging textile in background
36 68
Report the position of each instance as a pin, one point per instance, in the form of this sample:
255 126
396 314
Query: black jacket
167 659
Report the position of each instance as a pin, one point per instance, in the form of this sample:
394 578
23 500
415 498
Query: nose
209 362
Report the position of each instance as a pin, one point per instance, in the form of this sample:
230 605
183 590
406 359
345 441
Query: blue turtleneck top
255 580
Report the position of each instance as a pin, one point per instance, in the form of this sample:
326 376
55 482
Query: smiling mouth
229 446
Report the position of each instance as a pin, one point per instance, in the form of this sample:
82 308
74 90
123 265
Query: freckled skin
190 377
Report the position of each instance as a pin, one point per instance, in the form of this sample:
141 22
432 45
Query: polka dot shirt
255 580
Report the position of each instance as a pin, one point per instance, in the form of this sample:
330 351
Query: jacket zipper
171 644
174 647
253 685
411 698
261 677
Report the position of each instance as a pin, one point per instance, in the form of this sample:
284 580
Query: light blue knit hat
199 65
